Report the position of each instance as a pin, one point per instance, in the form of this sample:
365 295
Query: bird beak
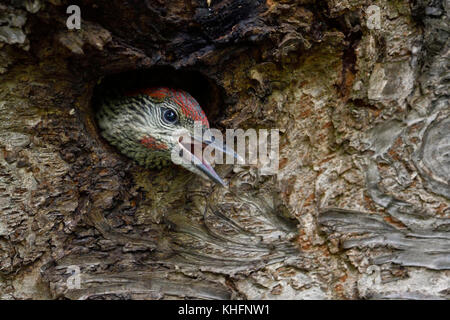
202 166
207 169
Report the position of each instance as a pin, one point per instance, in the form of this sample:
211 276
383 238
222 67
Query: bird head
151 125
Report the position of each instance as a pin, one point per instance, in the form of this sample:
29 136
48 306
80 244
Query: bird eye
170 116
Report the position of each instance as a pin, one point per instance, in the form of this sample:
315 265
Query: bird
148 124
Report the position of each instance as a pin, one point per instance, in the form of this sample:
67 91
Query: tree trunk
359 207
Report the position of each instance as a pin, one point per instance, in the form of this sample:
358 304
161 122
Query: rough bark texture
359 208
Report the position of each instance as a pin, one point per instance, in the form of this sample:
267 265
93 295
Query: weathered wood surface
359 209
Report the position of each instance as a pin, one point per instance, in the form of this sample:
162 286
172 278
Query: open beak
193 151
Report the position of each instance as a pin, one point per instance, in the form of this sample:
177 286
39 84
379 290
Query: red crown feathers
189 106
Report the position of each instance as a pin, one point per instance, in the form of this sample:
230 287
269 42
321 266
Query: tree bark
359 208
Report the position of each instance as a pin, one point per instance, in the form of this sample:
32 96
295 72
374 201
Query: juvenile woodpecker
142 125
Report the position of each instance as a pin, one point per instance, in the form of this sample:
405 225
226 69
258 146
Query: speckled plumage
133 123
